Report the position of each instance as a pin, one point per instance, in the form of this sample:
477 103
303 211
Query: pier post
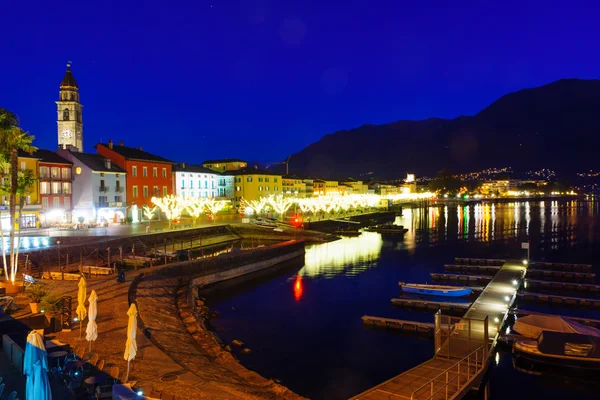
437 332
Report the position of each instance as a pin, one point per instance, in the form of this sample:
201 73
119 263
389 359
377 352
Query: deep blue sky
261 79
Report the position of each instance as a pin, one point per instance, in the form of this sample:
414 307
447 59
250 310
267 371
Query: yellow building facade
226 164
252 184
30 217
331 187
293 186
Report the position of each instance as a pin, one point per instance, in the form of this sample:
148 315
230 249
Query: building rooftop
68 80
252 171
198 169
96 162
135 153
50 157
223 161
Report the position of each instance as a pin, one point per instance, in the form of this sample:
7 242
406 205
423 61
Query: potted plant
36 293
51 306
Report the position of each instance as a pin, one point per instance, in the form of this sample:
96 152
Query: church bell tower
70 123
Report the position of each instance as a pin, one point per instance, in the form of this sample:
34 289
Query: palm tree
12 140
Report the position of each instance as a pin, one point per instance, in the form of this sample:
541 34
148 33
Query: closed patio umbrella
35 366
131 345
81 294
91 332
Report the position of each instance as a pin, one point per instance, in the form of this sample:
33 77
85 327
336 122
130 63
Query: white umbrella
35 366
131 345
81 294
91 332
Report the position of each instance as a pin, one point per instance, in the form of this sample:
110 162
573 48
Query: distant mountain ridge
551 126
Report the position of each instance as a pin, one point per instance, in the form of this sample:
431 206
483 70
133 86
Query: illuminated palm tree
12 140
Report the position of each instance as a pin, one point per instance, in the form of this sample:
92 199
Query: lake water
303 322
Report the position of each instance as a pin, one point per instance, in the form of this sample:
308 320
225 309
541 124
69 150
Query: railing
453 380
103 188
119 189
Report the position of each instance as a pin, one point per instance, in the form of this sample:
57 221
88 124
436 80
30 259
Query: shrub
36 292
52 303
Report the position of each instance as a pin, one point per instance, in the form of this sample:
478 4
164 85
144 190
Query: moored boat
572 350
435 290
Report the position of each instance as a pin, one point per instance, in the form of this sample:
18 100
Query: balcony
103 189
119 189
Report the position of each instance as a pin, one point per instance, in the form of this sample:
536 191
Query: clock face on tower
66 133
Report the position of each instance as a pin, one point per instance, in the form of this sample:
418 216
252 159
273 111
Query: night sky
258 79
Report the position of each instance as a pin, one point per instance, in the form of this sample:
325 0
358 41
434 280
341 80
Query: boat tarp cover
531 326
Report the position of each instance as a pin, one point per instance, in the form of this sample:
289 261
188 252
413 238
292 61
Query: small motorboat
571 350
435 290
347 232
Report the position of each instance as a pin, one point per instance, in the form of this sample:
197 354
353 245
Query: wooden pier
460 357
561 275
477 269
431 305
558 300
420 328
461 278
564 286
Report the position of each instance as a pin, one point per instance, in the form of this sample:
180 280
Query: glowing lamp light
496 319
75 319
43 311
506 298
140 392
515 282
525 262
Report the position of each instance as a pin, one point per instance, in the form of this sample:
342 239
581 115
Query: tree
214 206
148 213
171 205
12 140
258 205
280 204
195 207
242 207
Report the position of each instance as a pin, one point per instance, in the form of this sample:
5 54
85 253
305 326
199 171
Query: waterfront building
293 186
309 187
358 187
55 180
30 217
331 187
148 175
70 119
225 164
198 181
318 187
253 183
99 194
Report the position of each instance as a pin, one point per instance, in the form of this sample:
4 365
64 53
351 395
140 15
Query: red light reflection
298 289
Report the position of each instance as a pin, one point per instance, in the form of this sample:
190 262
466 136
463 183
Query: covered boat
531 326
571 350
435 290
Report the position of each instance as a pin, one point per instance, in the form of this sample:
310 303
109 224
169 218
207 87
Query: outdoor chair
100 365
155 394
114 372
80 353
94 360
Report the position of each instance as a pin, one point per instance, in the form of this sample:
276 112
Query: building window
44 172
55 173
154 172
192 184
45 187
155 191
56 202
249 179
66 173
67 203
118 186
275 180
164 173
260 188
267 179
276 189
66 114
44 202
145 190
183 184
145 172
205 184
267 188
237 188
134 170
118 199
260 178
66 187
238 179
56 186
164 190
212 184
135 192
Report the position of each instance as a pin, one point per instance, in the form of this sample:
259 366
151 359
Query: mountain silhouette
551 126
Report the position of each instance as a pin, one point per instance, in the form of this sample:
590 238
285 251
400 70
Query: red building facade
148 175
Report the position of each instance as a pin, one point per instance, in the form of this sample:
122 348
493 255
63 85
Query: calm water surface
303 322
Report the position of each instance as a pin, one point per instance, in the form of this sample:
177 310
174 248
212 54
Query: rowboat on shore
435 290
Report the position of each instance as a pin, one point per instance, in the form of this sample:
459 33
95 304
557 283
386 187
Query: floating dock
462 278
582 320
421 328
460 357
431 305
558 300
561 275
564 286
476 269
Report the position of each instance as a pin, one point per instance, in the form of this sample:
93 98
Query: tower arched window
66 114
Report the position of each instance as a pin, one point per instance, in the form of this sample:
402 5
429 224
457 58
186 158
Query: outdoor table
57 355
125 392
71 365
